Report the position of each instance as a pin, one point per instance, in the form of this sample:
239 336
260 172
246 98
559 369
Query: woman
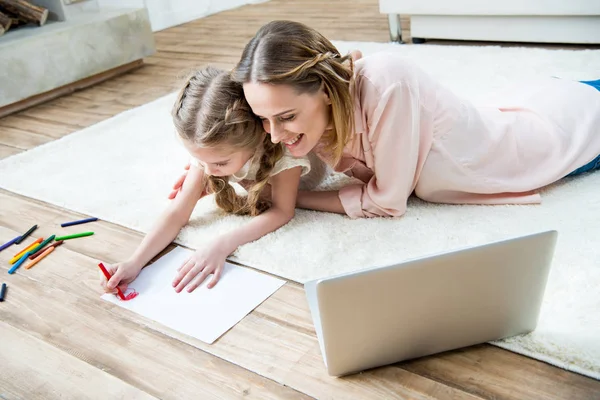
387 123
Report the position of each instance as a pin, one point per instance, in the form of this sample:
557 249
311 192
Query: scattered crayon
18 263
9 243
81 221
73 236
55 244
41 245
17 256
41 256
3 292
26 234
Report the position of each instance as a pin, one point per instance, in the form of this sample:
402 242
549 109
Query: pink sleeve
394 137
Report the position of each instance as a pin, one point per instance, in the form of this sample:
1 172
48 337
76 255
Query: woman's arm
328 201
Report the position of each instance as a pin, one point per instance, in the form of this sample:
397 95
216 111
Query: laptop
429 305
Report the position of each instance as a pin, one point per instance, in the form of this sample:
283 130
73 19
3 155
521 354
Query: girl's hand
122 275
206 261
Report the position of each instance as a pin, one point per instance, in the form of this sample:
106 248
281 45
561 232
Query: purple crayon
10 243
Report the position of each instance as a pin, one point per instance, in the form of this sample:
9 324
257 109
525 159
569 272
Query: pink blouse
414 135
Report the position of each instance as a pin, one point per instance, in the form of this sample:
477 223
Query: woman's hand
122 275
205 261
356 55
179 184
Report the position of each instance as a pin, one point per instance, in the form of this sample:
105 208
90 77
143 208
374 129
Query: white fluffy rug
121 170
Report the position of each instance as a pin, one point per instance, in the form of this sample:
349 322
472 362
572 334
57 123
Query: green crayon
73 236
41 245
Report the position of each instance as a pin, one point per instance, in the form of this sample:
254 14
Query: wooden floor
59 340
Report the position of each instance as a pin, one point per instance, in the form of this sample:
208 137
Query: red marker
107 275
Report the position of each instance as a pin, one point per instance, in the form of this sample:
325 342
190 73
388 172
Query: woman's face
296 120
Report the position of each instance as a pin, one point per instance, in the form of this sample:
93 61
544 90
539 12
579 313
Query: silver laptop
429 305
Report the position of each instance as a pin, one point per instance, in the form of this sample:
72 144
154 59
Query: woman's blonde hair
211 112
287 52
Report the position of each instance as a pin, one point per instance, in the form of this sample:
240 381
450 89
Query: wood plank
23 140
52 113
37 125
103 94
494 373
106 108
34 369
7 151
281 350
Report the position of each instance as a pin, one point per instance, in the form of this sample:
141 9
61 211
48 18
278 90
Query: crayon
18 263
17 256
3 292
55 244
81 221
41 245
19 240
38 259
74 236
107 276
9 243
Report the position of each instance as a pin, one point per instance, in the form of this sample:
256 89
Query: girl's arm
164 231
177 214
211 258
284 189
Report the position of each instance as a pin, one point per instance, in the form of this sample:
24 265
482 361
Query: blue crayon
18 263
10 243
81 221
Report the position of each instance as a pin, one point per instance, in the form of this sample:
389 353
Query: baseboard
67 89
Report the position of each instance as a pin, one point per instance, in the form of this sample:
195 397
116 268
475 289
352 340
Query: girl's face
296 120
219 161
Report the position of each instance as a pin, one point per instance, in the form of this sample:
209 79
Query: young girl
387 123
227 144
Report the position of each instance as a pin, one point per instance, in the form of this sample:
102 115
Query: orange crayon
39 258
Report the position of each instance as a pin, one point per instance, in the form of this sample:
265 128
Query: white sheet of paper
205 314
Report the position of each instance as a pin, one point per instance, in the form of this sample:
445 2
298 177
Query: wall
166 13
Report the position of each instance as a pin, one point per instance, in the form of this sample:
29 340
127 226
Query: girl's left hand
205 261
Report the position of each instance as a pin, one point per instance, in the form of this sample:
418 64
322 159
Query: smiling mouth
294 141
